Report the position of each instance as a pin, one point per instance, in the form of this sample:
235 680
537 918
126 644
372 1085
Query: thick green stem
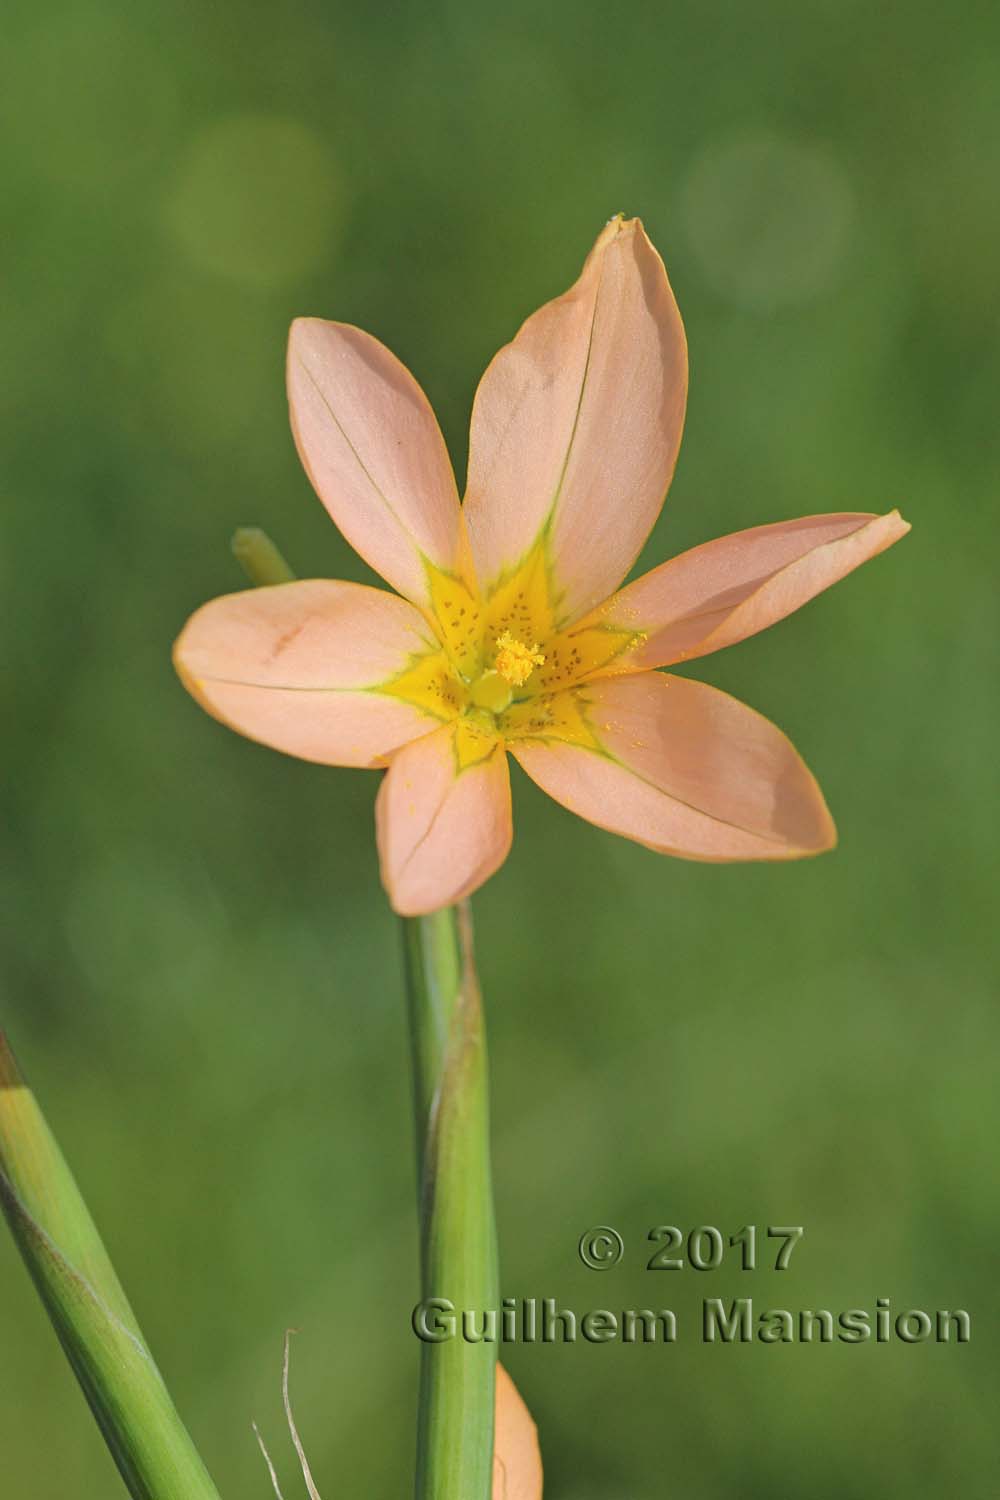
458 1243
70 1267
91 1315
458 1230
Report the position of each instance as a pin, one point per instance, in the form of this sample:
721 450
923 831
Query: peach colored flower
510 635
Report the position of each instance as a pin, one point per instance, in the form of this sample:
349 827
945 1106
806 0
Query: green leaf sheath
458 1230
91 1315
70 1267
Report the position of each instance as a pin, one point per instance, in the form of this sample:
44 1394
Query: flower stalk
88 1308
458 1230
458 1245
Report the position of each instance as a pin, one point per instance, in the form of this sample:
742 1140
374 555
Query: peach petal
373 450
578 421
517 1461
441 832
289 666
726 590
687 771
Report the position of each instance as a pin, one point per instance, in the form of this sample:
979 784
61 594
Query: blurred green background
201 976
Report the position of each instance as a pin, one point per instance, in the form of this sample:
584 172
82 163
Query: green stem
71 1269
458 1231
90 1313
458 1246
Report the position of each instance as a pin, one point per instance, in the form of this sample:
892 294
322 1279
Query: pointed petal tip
688 771
304 332
726 590
297 330
303 323
817 831
577 423
826 837
623 223
622 227
308 326
373 451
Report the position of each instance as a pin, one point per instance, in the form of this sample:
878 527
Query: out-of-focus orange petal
726 590
685 770
577 422
442 819
517 1462
295 667
372 447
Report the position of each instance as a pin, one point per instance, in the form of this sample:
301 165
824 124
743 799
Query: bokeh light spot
769 219
258 200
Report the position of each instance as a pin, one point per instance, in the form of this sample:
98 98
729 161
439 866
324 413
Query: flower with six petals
507 633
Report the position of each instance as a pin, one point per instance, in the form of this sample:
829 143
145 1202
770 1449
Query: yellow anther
516 661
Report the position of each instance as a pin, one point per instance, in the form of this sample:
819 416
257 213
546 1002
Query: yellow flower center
515 661
514 664
506 669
